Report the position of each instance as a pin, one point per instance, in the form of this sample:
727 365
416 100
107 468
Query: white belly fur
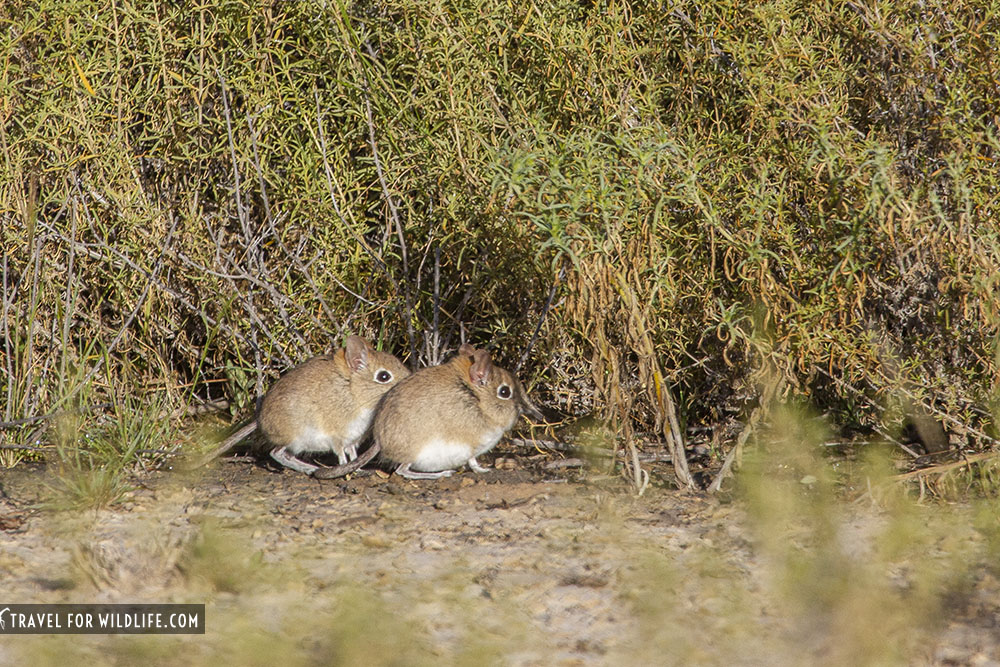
311 439
438 455
357 428
489 441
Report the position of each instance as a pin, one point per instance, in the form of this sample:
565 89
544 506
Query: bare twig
562 464
8 410
727 464
333 198
195 410
70 305
240 211
432 339
36 240
560 446
277 298
31 420
771 390
157 266
945 467
640 476
541 319
675 440
154 280
458 316
881 431
333 188
394 215
29 448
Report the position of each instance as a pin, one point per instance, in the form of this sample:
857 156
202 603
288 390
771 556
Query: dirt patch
521 566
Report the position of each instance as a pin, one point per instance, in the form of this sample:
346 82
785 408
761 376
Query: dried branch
771 391
541 320
945 467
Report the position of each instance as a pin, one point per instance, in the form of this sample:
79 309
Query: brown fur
454 403
326 404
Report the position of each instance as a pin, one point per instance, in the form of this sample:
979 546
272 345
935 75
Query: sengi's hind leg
474 465
403 470
282 456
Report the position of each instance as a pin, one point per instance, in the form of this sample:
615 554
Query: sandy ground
526 566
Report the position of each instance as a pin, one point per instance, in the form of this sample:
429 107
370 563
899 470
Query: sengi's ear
481 368
466 350
356 352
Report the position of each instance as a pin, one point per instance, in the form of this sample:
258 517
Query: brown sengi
445 416
323 405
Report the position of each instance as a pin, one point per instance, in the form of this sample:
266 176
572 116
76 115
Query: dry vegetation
198 196
669 217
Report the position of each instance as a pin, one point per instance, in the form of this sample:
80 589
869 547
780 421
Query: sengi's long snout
530 409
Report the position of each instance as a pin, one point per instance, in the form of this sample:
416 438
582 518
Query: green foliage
713 187
98 453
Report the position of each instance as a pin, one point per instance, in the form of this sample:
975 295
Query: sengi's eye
383 376
504 392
